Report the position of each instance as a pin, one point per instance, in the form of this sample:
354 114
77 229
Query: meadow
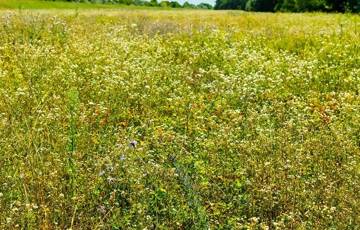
48 4
179 120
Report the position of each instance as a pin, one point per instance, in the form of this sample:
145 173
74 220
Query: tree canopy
290 5
163 3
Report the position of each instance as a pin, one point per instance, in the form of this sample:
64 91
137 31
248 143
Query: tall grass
179 120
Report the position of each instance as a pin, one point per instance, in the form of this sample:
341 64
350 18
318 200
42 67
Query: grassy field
42 4
179 120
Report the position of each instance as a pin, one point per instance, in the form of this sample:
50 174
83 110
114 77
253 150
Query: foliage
290 5
151 3
172 4
126 4
204 6
179 120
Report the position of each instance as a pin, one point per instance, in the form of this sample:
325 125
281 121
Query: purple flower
133 143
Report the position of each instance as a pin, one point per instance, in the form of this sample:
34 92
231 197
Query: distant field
178 119
38 4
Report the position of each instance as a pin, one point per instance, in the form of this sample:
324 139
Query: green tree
188 5
230 4
154 3
204 6
311 5
175 4
286 5
265 5
164 4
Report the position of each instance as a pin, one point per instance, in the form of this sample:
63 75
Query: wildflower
133 143
101 173
254 219
109 167
110 180
122 157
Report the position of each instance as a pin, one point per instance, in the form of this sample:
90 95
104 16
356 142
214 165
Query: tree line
290 5
151 3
